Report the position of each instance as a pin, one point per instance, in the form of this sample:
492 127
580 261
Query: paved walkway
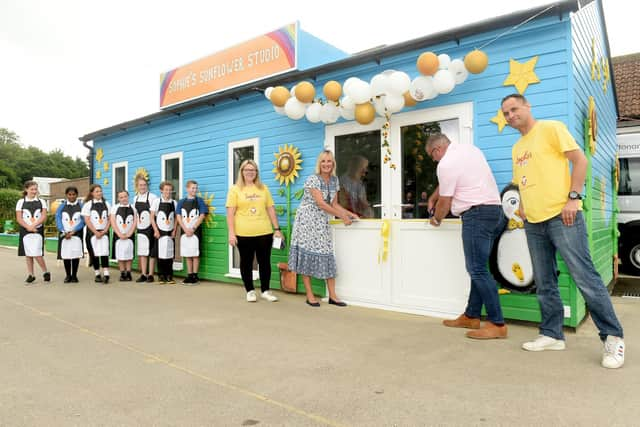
129 355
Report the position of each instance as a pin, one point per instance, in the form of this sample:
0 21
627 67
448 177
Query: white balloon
459 71
399 83
444 61
380 84
422 89
294 109
443 81
360 91
279 110
329 113
313 112
347 84
394 103
378 104
267 92
347 103
346 113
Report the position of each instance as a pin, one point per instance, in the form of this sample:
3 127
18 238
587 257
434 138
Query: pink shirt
464 174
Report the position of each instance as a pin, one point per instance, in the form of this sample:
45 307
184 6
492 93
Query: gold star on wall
499 120
522 75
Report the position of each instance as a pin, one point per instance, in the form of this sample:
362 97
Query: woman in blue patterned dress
311 252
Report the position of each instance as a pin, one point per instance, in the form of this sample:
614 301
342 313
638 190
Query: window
239 151
419 178
629 177
172 172
119 180
358 169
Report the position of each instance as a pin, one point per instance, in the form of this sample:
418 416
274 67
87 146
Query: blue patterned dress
311 252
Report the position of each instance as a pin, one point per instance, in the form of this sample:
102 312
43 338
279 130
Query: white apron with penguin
71 248
165 220
124 222
190 245
31 243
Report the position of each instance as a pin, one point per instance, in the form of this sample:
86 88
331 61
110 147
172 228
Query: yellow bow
513 224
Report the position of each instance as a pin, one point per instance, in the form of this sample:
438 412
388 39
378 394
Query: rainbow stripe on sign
268 55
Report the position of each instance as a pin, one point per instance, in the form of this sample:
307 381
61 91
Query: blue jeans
481 225
544 239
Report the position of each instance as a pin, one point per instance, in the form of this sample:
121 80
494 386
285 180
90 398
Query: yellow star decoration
99 154
140 172
287 164
522 75
605 74
208 200
98 174
106 166
106 181
593 59
499 120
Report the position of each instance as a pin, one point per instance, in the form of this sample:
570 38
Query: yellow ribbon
513 224
385 230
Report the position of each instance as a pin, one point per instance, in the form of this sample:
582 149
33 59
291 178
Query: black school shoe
67 279
46 276
123 276
29 280
141 279
98 278
128 277
150 278
105 280
74 279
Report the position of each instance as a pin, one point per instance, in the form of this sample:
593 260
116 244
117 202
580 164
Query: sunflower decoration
616 174
287 164
99 154
140 173
208 200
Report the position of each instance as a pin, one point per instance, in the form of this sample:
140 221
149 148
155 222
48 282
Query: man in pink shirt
467 188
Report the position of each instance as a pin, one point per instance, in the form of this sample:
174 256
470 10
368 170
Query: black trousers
97 260
71 266
165 267
260 246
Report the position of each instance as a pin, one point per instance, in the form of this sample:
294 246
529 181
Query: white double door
403 264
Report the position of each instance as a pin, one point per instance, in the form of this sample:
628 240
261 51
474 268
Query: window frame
163 169
115 166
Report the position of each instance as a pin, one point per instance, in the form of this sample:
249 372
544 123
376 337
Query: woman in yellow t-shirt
252 220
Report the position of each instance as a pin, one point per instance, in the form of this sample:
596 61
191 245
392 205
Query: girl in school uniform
145 241
123 221
70 224
163 221
31 213
95 212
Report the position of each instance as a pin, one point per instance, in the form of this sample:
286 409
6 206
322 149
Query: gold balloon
476 61
332 90
365 113
279 96
408 100
305 92
428 63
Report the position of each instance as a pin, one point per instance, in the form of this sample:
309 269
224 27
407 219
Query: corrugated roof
375 55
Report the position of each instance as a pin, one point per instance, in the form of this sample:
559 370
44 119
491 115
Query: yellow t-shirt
251 205
541 170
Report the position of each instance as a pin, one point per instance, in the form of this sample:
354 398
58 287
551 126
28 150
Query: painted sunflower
208 200
140 172
287 164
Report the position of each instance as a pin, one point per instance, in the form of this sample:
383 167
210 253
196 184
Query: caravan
629 201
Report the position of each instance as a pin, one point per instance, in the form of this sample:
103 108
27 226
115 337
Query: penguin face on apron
144 221
190 216
165 221
99 215
31 215
511 204
124 219
70 220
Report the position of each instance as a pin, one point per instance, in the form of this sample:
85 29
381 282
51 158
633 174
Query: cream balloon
394 103
279 110
444 61
347 103
399 83
378 104
380 84
294 109
267 92
313 112
359 91
329 113
443 81
347 114
458 70
347 84
422 89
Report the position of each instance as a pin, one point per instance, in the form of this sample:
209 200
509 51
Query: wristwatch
574 195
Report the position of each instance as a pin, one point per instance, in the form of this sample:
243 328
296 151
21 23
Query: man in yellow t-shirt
552 208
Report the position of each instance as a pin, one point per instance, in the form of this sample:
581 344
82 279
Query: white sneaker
251 296
544 342
269 296
613 353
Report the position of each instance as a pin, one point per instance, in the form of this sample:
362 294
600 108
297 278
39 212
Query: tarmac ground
127 354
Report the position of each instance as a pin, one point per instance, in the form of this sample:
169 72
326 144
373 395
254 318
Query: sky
71 67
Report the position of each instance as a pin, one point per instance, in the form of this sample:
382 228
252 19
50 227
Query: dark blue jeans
544 239
481 225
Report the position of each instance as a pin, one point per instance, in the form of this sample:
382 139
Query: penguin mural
510 261
70 248
165 220
123 248
31 242
144 238
190 245
99 217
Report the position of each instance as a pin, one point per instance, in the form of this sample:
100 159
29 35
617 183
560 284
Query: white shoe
613 353
251 296
544 342
269 296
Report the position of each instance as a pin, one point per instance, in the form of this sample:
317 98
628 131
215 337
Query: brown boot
489 331
462 322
